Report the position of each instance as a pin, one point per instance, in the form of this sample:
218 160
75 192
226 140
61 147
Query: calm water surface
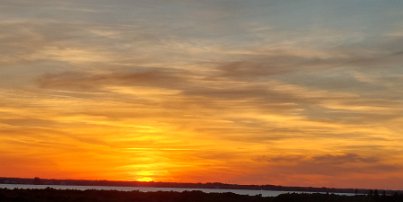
153 189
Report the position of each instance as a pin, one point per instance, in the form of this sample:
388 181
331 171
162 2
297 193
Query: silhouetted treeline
39 181
53 195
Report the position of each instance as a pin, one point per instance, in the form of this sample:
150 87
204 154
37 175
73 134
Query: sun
145 176
145 179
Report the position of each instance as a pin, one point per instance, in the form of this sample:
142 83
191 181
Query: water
154 189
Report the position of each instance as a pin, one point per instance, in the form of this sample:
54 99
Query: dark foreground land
52 195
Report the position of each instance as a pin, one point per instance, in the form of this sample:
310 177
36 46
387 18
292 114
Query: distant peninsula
211 185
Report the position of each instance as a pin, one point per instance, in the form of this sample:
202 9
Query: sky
283 92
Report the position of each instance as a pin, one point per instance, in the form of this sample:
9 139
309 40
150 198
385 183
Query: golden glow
184 144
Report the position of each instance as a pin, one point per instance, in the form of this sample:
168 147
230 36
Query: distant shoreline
248 192
40 181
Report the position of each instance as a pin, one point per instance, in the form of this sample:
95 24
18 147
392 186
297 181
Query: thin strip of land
40 181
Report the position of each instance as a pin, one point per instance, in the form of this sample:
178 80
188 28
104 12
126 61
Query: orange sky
249 92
